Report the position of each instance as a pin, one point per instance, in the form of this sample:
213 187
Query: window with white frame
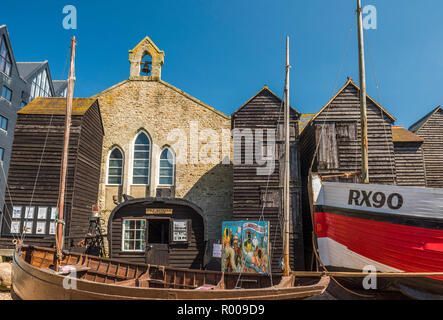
115 167
40 85
3 123
134 235
142 156
5 58
167 166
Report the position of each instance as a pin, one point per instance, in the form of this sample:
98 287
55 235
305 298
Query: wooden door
157 247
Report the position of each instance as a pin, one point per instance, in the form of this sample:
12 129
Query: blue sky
223 52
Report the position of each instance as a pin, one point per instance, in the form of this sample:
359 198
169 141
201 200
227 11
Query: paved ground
5 295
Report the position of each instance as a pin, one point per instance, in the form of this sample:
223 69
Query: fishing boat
390 228
42 273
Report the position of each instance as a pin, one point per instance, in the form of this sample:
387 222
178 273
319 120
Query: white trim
173 168
131 164
107 166
123 234
334 254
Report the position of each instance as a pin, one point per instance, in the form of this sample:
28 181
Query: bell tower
146 61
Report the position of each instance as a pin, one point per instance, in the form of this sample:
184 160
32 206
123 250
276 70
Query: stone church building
160 142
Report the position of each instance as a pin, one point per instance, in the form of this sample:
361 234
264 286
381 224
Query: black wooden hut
34 175
409 158
430 128
161 231
335 133
259 196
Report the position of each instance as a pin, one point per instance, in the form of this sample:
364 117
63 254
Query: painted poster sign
245 246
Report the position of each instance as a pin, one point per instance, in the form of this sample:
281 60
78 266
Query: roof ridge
348 82
424 119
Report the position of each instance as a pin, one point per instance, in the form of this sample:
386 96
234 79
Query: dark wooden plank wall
409 163
189 256
341 121
344 114
249 189
432 132
87 175
28 151
31 133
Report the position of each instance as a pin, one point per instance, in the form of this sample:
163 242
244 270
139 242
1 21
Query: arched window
142 156
167 166
115 167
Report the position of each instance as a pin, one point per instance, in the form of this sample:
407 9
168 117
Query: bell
146 69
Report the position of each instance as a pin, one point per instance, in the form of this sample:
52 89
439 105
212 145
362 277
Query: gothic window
115 167
142 156
167 166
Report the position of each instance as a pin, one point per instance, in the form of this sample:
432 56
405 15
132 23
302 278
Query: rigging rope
38 171
332 94
333 278
388 145
263 210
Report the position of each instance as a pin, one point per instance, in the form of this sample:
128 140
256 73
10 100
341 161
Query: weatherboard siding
432 132
265 111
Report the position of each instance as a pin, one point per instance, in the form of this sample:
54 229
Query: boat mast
286 195
65 155
363 104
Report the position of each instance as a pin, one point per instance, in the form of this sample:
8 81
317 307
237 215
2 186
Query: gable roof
169 86
265 88
57 106
59 85
351 82
420 123
400 134
4 31
28 69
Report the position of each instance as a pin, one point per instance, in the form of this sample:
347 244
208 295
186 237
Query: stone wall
158 109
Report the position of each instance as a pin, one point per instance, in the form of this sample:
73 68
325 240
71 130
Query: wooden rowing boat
97 278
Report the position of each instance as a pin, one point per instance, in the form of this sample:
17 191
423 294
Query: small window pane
41 228
134 235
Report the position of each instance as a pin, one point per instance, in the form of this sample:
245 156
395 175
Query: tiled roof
400 134
57 106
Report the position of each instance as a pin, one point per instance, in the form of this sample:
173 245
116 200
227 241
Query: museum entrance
157 246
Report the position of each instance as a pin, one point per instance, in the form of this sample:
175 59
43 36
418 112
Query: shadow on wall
213 194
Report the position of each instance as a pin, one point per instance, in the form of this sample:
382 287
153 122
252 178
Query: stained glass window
134 235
